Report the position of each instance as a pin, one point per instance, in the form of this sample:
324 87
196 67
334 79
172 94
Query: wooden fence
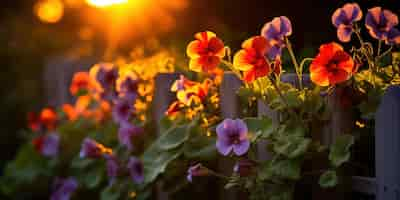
386 184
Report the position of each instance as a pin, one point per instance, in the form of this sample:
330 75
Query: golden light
49 11
105 3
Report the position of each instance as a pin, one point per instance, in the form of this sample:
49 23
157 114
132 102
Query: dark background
26 43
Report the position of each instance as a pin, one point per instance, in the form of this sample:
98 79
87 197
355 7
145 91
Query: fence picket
387 146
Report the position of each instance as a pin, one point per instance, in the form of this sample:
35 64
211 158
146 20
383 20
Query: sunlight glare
105 3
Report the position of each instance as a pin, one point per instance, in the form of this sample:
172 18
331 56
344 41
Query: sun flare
105 3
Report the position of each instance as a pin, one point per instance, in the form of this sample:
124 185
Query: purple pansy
107 75
128 88
90 149
63 188
232 136
136 170
126 132
275 32
244 167
113 167
343 19
196 170
122 110
51 145
380 24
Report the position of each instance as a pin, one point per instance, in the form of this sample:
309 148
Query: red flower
38 143
81 82
206 52
174 108
331 66
48 118
34 121
251 59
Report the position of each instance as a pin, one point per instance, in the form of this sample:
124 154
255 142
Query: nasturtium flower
126 132
47 145
63 188
188 91
276 30
343 19
127 87
206 52
34 121
251 59
136 170
48 117
196 170
232 136
174 108
331 66
244 167
122 110
81 83
92 149
380 24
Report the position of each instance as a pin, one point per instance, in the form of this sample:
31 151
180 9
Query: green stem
282 97
218 175
379 48
386 52
298 69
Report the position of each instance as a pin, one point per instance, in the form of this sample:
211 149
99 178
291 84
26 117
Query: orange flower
70 112
251 59
81 82
331 66
206 52
48 118
174 108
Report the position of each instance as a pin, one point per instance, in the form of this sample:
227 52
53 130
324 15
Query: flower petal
344 33
241 148
224 147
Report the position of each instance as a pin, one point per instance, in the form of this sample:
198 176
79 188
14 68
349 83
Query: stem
299 70
386 52
282 97
379 48
217 174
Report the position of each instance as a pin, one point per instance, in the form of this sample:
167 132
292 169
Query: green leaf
92 178
156 160
259 127
340 150
292 146
200 147
287 169
328 179
110 193
174 137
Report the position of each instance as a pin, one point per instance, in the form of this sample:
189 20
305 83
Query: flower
136 170
206 52
81 83
63 188
232 136
92 149
251 59
127 87
276 30
122 110
188 91
34 121
331 66
196 170
343 19
48 118
47 145
174 108
380 24
126 132
244 167
113 167
181 84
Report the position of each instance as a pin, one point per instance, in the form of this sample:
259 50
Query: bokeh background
37 37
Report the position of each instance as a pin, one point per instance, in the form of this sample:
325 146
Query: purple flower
244 167
63 188
51 145
393 37
343 19
275 32
126 132
91 149
196 170
113 167
128 87
122 110
232 135
136 170
380 24
107 75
